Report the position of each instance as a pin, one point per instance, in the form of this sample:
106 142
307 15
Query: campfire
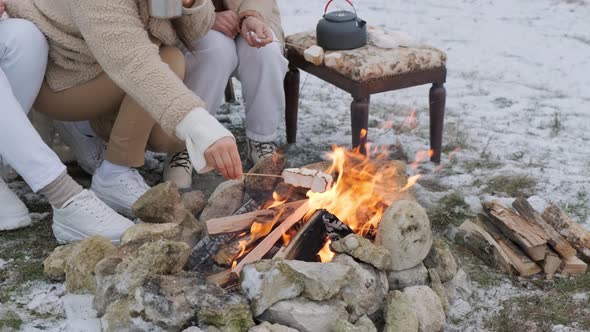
358 190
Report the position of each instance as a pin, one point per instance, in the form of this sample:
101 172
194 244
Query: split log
521 262
575 234
308 242
524 208
574 266
482 244
316 181
223 279
265 245
551 264
242 222
531 238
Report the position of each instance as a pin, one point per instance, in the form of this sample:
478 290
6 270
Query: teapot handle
330 2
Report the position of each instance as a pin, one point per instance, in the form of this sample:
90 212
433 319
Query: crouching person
240 44
77 213
115 65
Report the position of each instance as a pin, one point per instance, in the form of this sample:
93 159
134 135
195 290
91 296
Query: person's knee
26 39
218 51
175 59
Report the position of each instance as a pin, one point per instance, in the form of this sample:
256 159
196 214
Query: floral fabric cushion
371 62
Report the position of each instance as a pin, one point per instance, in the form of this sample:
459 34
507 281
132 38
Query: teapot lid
340 16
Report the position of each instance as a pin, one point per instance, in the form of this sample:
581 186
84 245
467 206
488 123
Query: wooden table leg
292 103
359 114
438 95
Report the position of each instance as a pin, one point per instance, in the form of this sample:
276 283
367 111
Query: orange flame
326 254
363 190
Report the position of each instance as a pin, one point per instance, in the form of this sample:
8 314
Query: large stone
364 250
365 292
459 287
268 327
429 310
191 229
269 281
260 188
442 260
305 315
225 200
54 266
321 281
437 286
416 276
405 231
194 201
121 277
151 232
161 204
399 313
80 278
230 313
363 324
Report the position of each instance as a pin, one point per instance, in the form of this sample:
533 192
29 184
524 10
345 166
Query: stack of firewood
519 240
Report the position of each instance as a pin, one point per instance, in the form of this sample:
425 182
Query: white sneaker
120 192
84 215
88 150
13 212
259 150
179 170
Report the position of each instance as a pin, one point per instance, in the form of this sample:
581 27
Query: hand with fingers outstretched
256 32
228 23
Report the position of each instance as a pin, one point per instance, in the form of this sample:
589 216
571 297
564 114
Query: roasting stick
277 41
264 175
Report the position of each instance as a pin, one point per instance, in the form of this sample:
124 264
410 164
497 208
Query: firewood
551 264
530 237
265 245
575 234
524 208
316 181
313 234
241 222
222 279
521 262
334 60
314 54
483 245
574 266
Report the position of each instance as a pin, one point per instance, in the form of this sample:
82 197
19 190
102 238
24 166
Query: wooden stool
366 71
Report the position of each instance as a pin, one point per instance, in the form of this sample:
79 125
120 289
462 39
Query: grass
450 210
556 125
580 208
456 137
433 184
512 185
10 321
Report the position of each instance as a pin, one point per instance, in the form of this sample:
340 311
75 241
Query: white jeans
23 57
216 58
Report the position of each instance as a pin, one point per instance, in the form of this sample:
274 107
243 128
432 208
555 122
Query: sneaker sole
65 234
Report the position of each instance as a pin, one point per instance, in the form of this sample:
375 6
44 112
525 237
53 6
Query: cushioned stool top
371 62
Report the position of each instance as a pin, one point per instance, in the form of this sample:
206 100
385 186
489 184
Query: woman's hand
256 32
2 8
186 3
228 23
223 155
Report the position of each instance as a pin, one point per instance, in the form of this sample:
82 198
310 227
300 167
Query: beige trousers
114 116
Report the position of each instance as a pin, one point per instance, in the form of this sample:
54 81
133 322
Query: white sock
84 128
107 170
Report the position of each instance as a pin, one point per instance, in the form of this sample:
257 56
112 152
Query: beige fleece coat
87 37
267 10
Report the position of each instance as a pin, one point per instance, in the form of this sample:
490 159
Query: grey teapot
341 30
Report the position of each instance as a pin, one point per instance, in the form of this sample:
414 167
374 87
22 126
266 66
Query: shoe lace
181 159
264 148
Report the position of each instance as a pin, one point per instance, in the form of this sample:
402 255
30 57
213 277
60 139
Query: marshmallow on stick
316 181
315 55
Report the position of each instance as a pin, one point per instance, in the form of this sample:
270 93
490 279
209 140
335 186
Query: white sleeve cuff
200 130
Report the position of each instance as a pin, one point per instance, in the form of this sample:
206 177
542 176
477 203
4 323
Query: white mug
165 9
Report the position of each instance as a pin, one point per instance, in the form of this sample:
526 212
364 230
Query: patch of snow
3 263
581 297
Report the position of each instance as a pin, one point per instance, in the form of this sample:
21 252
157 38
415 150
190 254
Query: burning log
316 181
574 266
521 262
522 206
482 244
265 245
308 241
551 264
575 234
529 237
241 222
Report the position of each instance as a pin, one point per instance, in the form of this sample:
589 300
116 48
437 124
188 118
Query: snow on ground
518 103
